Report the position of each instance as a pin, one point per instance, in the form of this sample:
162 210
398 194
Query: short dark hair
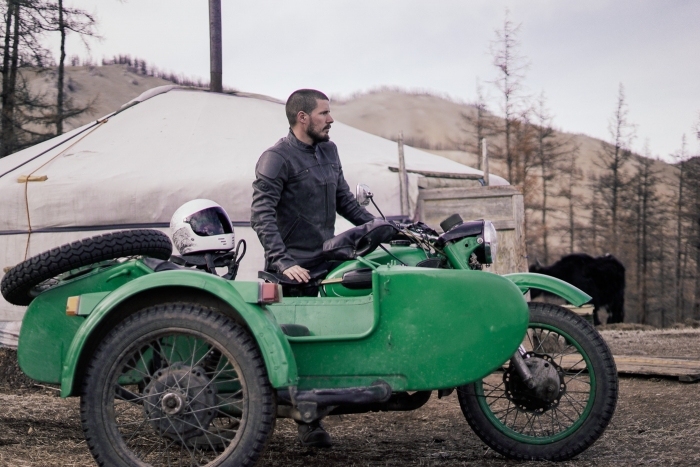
302 100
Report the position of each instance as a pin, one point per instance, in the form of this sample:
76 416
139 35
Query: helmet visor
209 222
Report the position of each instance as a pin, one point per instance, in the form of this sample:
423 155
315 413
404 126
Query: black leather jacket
297 190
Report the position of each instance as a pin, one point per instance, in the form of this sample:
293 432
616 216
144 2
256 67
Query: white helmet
202 225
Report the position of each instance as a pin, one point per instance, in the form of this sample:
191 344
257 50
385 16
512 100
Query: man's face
320 122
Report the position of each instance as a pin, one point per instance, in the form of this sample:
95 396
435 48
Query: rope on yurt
98 123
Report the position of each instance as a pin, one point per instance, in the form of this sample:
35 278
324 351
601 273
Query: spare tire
18 284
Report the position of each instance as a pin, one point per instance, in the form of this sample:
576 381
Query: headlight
490 241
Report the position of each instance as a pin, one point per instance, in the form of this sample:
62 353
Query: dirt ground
657 422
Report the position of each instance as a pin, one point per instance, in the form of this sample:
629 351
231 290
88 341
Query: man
298 189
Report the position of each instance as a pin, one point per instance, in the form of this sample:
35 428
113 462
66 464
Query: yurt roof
176 144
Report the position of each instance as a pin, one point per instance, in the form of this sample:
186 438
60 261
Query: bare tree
571 177
648 207
694 215
511 69
550 150
680 157
594 239
692 205
524 144
24 24
66 20
479 126
612 159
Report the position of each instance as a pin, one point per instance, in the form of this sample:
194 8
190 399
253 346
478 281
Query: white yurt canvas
134 168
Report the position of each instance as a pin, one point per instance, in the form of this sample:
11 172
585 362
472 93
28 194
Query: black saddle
279 278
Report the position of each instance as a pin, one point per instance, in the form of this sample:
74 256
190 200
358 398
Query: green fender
530 280
274 346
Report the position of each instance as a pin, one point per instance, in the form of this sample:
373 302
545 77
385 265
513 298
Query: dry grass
657 423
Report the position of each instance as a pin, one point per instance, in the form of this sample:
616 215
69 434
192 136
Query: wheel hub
179 401
173 403
549 384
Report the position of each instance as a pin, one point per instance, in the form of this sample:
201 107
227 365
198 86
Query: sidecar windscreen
358 241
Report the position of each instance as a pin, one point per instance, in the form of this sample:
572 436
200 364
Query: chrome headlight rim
490 237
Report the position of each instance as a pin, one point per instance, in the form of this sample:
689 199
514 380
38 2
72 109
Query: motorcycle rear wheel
510 421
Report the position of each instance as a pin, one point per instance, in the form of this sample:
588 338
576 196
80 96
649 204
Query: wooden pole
403 179
216 84
485 161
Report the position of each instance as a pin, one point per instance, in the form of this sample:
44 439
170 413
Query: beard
315 134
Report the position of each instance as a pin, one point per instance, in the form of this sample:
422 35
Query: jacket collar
295 143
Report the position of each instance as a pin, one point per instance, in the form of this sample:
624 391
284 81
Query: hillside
438 125
109 87
431 122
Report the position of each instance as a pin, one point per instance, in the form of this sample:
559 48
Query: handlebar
419 229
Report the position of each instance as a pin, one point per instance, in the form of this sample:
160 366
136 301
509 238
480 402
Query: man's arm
346 204
270 177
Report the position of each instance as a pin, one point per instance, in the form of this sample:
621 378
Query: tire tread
214 319
588 433
19 280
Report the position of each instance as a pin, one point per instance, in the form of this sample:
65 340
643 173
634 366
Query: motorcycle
176 365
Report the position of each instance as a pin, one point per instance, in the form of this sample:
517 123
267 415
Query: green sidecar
182 367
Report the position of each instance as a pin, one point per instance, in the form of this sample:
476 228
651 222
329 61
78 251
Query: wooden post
403 179
485 161
216 84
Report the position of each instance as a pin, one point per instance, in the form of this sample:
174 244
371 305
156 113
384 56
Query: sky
579 52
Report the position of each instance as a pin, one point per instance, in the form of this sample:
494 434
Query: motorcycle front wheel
519 422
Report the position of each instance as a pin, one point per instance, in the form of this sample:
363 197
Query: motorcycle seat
279 278
159 265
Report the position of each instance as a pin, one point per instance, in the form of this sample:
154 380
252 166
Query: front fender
275 349
531 280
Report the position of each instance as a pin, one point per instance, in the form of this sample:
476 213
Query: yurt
135 167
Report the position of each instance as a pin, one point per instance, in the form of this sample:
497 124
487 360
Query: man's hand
297 273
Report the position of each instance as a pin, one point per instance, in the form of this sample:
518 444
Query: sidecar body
419 328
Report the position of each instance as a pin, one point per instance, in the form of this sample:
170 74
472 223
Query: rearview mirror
363 194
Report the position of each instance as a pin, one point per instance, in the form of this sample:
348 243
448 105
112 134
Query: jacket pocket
301 175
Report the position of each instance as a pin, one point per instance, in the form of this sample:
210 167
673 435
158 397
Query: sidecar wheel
177 384
29 278
513 421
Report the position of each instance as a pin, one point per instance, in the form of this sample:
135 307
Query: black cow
603 278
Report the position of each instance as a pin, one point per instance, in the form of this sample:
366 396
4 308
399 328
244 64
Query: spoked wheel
177 384
571 405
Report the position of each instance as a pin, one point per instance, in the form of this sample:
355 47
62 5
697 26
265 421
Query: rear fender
530 280
273 345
